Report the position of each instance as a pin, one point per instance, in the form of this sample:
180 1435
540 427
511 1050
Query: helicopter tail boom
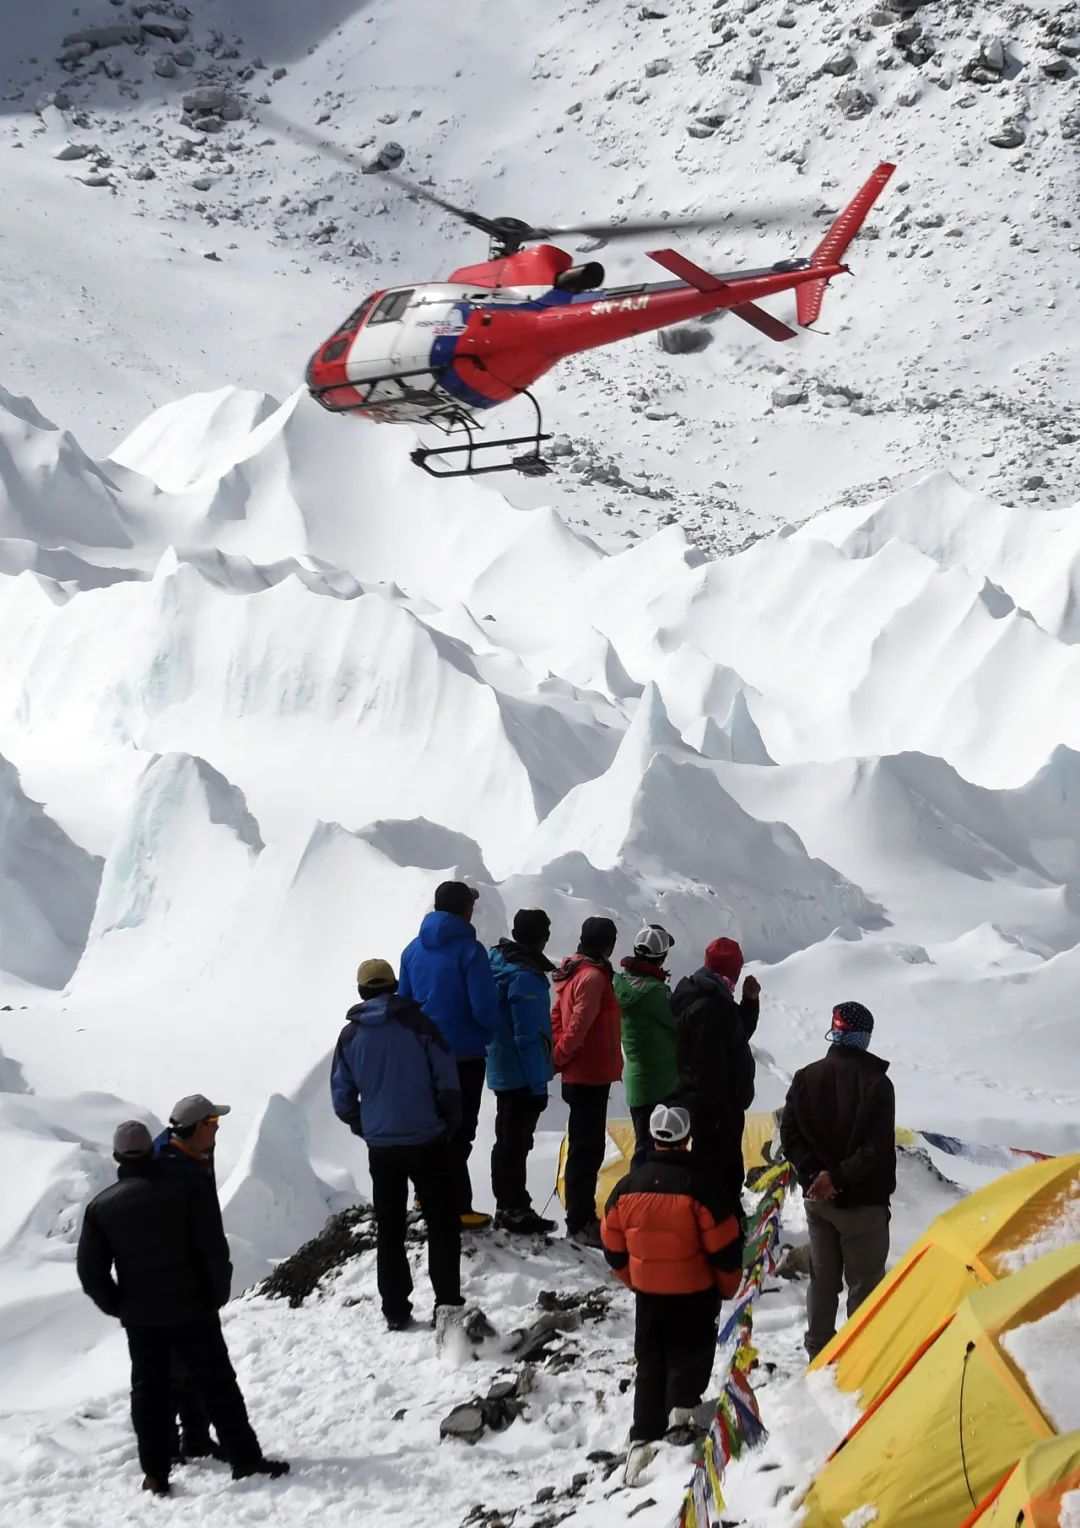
831 250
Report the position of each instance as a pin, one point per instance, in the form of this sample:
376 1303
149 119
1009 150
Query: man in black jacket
152 1252
716 1064
838 1132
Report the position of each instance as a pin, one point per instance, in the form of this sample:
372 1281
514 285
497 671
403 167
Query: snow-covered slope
182 258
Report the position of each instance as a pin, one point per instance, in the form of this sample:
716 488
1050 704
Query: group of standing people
410 1066
408 1076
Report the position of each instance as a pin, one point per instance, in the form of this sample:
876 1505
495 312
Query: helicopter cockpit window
356 317
391 308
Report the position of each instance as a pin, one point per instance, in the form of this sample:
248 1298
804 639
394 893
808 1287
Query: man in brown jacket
838 1132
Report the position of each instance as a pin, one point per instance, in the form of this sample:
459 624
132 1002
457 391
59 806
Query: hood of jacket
711 984
440 929
846 1055
508 954
377 1010
639 977
573 964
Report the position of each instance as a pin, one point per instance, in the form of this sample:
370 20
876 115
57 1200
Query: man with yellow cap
394 1082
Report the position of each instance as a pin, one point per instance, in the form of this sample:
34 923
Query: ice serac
660 817
273 1200
51 492
181 863
48 887
195 437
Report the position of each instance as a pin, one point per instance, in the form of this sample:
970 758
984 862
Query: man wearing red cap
716 1064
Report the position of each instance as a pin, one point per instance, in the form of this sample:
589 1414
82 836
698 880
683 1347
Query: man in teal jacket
648 1031
519 1065
446 971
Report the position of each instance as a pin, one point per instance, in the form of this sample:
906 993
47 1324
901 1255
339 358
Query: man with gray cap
187 1147
153 1254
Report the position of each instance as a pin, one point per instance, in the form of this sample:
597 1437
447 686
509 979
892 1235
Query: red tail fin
830 251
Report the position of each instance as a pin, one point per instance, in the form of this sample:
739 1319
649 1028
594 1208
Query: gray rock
1070 125
839 64
145 172
208 123
203 182
205 98
182 148
684 339
794 1263
166 67
699 130
465 1422
788 397
1069 46
279 74
170 28
105 37
185 57
910 32
1011 136
232 110
786 19
1036 480
853 102
95 180
74 53
73 151
212 254
657 66
710 119
1057 68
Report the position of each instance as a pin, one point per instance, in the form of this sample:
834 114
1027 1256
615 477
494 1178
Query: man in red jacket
671 1235
586 1029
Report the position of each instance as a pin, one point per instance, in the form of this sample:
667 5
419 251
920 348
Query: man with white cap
152 1253
649 1029
671 1235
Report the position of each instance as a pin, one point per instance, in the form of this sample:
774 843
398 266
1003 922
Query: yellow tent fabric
955 1421
977 1242
758 1134
1030 1495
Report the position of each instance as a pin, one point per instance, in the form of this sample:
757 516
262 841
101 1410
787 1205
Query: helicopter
444 353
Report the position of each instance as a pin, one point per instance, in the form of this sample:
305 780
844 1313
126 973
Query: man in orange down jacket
586 1031
671 1235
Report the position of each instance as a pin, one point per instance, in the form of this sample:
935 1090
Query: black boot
159 1485
275 1468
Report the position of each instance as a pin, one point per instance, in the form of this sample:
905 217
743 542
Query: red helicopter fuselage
442 351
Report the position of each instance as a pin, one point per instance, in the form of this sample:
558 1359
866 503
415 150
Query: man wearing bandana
838 1132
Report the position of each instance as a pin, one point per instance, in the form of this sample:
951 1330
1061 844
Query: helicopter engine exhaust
580 278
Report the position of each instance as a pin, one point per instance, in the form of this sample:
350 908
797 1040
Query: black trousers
201 1346
430 1170
459 1147
516 1113
716 1146
674 1344
188 1408
586 1146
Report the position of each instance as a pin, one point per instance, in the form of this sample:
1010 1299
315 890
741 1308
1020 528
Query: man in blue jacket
446 970
394 1083
519 1064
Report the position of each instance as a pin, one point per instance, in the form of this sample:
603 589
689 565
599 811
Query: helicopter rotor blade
391 153
741 218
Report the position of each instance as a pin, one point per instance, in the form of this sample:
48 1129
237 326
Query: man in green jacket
648 1031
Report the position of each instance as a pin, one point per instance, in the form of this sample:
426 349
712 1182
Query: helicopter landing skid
529 463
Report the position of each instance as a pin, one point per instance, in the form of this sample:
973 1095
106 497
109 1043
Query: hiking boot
682 1426
198 1446
587 1235
400 1321
474 1220
523 1223
275 1468
639 1458
157 1484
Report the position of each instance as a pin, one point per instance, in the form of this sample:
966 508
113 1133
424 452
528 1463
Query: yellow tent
1029 1496
979 1241
758 1134
938 1439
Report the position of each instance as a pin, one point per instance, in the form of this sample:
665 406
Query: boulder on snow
1011 136
73 151
104 37
853 102
839 64
684 339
